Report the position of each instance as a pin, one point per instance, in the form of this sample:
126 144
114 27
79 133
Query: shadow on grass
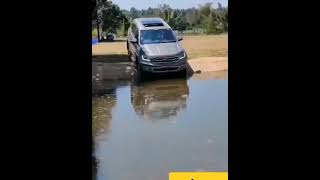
111 58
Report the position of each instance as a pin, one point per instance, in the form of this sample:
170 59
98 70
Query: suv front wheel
140 72
182 73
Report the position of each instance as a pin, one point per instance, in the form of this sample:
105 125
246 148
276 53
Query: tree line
206 18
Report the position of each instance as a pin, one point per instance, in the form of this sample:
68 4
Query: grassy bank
195 45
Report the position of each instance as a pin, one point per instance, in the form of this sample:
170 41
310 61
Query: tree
97 6
226 19
212 20
134 13
193 17
165 11
150 12
125 12
112 18
205 10
219 6
181 23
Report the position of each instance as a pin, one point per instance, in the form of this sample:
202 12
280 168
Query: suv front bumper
164 67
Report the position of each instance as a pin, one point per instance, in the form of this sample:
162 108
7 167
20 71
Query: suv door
133 35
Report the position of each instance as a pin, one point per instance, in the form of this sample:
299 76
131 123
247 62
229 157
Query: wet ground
144 131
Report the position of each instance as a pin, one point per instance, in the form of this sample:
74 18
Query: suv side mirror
180 38
133 40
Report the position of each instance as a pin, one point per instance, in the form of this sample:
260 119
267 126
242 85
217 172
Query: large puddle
143 132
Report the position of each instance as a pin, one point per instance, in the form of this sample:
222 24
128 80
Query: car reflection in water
160 99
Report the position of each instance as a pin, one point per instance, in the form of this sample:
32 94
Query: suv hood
162 49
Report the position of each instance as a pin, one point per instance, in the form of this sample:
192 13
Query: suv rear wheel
128 50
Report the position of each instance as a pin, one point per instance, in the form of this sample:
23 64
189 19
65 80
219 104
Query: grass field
206 45
196 46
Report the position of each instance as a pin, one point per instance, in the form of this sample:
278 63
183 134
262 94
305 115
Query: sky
181 4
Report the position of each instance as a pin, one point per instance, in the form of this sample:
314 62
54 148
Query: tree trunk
98 27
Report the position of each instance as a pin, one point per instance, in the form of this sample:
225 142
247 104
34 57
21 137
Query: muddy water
146 131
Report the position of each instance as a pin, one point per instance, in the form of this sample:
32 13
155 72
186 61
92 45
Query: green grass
94 33
207 53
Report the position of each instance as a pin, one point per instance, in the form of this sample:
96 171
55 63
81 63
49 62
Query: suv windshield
156 36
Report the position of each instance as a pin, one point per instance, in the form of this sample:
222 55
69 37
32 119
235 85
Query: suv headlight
145 58
182 55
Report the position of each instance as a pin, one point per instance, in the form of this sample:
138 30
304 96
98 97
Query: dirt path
211 75
209 64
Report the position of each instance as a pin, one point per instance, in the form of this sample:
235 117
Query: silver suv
154 47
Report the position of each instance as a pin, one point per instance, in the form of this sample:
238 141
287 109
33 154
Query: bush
94 33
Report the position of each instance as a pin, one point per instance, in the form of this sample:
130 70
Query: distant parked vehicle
94 40
107 36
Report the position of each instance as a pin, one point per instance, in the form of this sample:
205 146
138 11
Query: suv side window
134 31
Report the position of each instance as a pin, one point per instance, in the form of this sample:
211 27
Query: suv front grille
165 59
166 69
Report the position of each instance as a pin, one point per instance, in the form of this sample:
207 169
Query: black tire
182 73
140 76
129 53
129 56
140 72
128 47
